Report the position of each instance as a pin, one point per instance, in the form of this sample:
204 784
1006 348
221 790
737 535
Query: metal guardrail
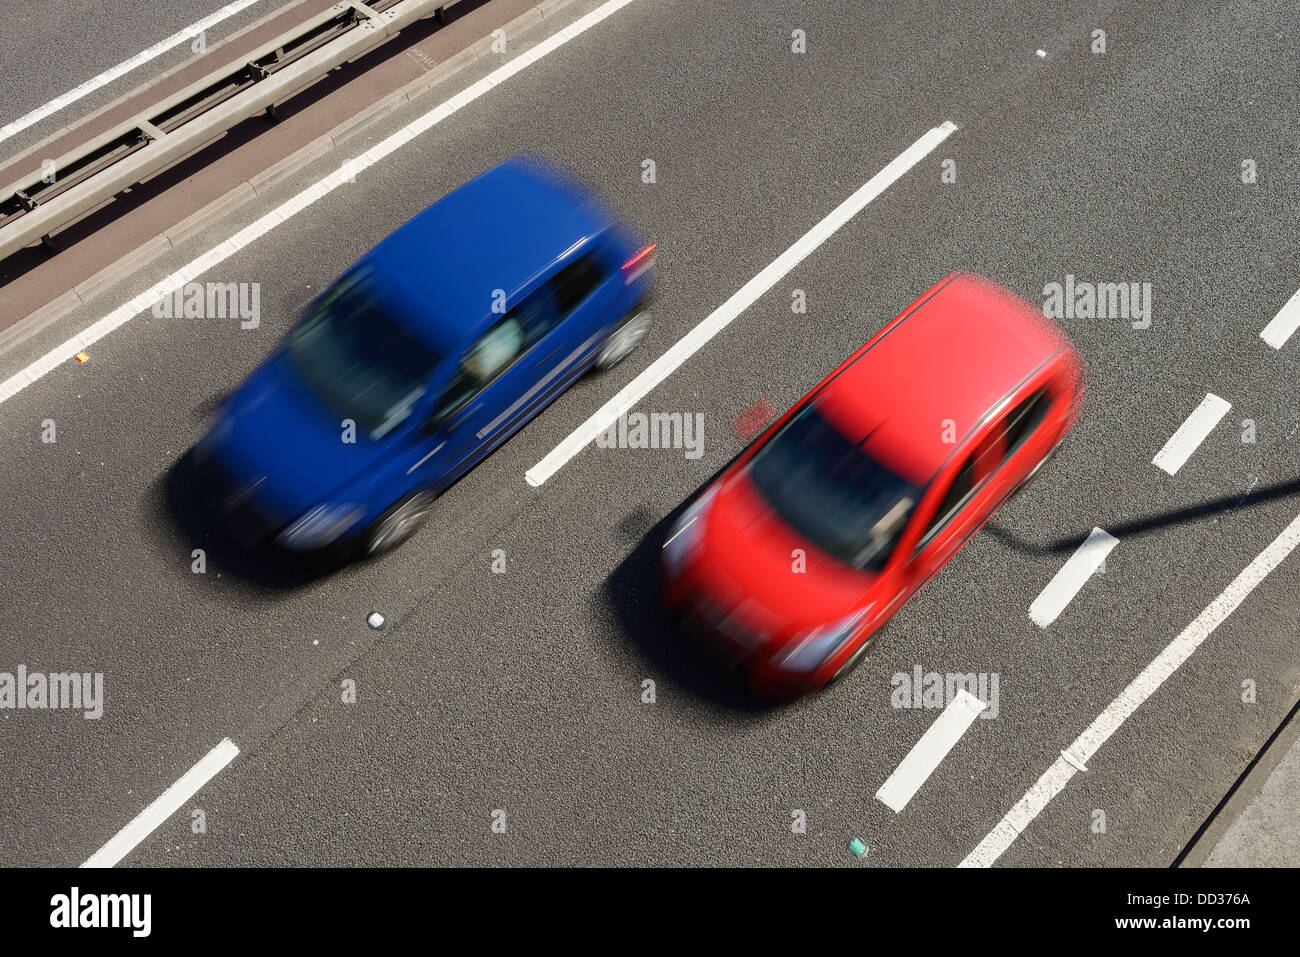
52 197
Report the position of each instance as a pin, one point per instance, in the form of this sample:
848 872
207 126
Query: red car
849 503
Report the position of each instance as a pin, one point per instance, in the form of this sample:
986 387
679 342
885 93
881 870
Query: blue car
423 357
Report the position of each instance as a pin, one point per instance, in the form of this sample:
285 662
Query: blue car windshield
827 488
357 360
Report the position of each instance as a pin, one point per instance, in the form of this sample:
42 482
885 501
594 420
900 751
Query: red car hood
748 562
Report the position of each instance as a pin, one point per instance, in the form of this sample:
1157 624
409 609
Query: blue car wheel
398 523
622 341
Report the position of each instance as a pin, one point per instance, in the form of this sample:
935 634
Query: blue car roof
437 272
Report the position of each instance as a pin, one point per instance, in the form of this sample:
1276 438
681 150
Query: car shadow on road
192 521
633 592
1142 526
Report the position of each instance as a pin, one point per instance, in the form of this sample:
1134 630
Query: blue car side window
536 317
494 353
575 283
485 360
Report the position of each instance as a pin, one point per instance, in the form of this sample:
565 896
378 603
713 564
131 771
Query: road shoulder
1257 824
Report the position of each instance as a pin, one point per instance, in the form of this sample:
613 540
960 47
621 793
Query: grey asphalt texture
522 691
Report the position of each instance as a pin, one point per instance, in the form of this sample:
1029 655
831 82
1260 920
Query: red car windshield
827 488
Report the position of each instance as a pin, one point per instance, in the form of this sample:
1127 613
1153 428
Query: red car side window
957 495
975 472
1021 421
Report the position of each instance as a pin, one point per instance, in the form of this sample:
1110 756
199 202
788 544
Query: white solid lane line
1287 321
1060 591
927 753
721 317
1056 777
287 210
126 66
1191 433
125 841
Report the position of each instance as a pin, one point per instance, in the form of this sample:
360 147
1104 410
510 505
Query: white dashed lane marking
147 821
1287 321
927 753
1065 584
1191 434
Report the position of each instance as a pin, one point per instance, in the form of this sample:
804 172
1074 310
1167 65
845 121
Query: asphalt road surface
522 691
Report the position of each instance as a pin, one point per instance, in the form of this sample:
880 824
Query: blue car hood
278 429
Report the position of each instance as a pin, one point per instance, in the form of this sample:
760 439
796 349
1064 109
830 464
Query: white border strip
126 66
721 317
1065 584
1056 777
927 753
147 821
347 171
1287 321
1191 433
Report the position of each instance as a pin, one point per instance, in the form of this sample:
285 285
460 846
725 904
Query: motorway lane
70 42
540 731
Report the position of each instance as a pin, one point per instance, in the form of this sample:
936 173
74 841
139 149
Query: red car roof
952 357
